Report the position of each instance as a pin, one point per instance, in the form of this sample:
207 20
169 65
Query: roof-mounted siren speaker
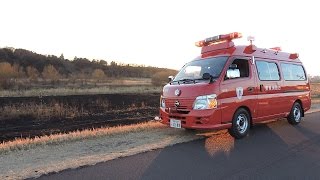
251 39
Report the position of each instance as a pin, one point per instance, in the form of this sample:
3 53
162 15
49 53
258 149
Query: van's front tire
240 124
295 115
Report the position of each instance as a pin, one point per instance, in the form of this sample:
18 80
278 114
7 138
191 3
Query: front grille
185 104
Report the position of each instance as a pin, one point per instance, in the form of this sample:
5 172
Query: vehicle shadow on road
270 151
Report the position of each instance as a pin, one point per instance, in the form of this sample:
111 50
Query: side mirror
170 78
206 76
233 73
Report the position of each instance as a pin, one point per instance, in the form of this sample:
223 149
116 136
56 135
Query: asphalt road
275 150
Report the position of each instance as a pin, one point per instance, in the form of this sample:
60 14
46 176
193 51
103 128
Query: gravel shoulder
43 159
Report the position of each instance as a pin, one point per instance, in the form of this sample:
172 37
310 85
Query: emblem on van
177 103
239 91
177 92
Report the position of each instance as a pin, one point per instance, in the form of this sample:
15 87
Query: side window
243 66
293 72
267 71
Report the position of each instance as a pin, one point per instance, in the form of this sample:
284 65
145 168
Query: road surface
271 151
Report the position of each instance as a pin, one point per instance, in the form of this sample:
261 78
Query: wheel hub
242 123
296 114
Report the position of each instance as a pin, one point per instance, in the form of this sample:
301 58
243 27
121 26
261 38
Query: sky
157 33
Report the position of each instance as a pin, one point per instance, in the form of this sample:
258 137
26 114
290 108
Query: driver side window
243 66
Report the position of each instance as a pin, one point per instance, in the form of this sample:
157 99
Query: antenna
251 39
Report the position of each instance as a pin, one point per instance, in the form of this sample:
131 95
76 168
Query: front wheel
295 115
240 124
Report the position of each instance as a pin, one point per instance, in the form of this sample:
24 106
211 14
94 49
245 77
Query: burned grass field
32 116
43 115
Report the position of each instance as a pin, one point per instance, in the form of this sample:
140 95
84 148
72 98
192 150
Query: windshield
195 69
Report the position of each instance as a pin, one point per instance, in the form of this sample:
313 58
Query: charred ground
35 116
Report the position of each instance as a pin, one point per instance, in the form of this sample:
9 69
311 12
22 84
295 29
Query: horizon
159 34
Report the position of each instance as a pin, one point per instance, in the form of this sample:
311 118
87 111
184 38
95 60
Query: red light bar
219 38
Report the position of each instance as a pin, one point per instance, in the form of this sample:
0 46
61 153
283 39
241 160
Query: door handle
250 89
261 87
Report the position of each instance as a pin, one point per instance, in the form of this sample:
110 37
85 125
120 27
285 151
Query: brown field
64 87
315 90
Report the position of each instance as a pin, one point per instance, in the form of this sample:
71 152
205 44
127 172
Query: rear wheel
240 124
295 115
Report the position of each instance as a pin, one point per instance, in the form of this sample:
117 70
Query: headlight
162 102
205 102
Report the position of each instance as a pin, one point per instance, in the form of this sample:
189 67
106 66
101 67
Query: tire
295 115
189 129
240 124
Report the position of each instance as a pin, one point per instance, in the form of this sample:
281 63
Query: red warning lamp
294 56
219 38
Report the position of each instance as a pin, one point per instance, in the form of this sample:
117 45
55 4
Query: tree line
21 63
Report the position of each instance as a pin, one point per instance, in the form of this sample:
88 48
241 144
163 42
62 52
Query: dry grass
80 91
315 93
27 158
315 100
315 90
27 143
40 111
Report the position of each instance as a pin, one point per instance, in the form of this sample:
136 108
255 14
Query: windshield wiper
185 80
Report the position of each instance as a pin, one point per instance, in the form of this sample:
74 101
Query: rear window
267 71
293 72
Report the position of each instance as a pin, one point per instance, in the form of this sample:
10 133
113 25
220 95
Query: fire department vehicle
234 87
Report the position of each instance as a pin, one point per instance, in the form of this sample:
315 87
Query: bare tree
7 71
50 72
32 72
98 74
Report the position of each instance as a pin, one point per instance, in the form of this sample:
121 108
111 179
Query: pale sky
157 33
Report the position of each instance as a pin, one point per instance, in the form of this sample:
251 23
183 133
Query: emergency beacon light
218 38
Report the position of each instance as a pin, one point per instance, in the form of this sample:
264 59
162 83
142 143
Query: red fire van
234 87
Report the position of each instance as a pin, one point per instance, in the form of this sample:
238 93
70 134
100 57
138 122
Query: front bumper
195 119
